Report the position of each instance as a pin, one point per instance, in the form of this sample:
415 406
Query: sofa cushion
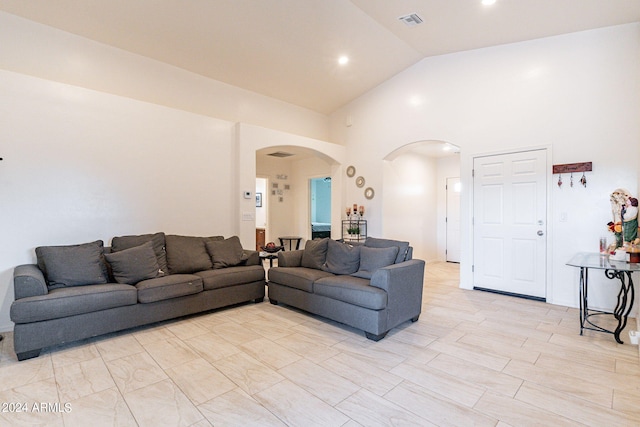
297 277
167 287
352 290
372 259
65 302
72 265
132 265
231 276
121 243
315 253
342 258
403 247
226 253
187 254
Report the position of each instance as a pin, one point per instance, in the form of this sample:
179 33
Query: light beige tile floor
473 358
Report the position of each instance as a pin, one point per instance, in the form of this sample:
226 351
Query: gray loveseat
81 291
374 287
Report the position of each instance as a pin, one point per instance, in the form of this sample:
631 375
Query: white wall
81 165
31 48
576 93
410 198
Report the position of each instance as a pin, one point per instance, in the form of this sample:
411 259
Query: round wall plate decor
369 193
360 182
351 171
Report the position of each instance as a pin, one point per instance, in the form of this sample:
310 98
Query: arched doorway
415 196
251 139
288 198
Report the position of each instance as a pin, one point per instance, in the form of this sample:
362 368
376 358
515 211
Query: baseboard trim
511 294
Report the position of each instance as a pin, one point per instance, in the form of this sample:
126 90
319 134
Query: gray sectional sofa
374 286
81 291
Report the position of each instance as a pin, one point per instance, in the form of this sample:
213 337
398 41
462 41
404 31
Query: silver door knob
540 233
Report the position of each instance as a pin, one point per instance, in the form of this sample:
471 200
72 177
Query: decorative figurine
630 220
625 217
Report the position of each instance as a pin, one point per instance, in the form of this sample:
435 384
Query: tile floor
473 358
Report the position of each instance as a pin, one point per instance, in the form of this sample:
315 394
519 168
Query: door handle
540 233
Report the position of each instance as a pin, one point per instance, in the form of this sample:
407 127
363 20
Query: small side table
620 270
269 256
290 239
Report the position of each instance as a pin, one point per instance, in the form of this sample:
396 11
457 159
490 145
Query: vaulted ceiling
289 49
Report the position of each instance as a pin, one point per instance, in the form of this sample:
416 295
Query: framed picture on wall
258 200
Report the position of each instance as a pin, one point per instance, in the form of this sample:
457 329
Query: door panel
510 223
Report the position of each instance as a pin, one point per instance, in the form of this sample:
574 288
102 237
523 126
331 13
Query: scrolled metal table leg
623 308
583 297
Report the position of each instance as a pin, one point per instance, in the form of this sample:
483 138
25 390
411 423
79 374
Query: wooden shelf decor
572 167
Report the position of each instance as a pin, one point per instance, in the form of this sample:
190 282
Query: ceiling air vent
411 20
280 154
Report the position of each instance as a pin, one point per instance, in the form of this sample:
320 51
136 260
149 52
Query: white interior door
453 220
510 223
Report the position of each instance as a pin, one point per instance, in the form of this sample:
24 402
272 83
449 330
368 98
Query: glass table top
601 262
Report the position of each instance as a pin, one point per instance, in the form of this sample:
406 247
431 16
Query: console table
290 239
620 270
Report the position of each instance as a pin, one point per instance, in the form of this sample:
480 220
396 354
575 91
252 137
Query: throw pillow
226 253
342 258
315 253
372 259
134 265
121 243
187 254
72 265
403 247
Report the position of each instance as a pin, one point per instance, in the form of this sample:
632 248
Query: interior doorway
262 211
320 207
452 251
414 209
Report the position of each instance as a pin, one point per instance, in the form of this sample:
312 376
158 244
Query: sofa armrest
28 281
403 283
253 257
290 258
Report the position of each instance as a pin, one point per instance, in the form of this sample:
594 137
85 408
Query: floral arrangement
616 229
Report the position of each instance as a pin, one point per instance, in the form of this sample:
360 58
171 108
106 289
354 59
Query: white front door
453 220
510 223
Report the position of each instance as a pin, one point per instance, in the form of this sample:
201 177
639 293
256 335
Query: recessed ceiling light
416 100
488 2
343 60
